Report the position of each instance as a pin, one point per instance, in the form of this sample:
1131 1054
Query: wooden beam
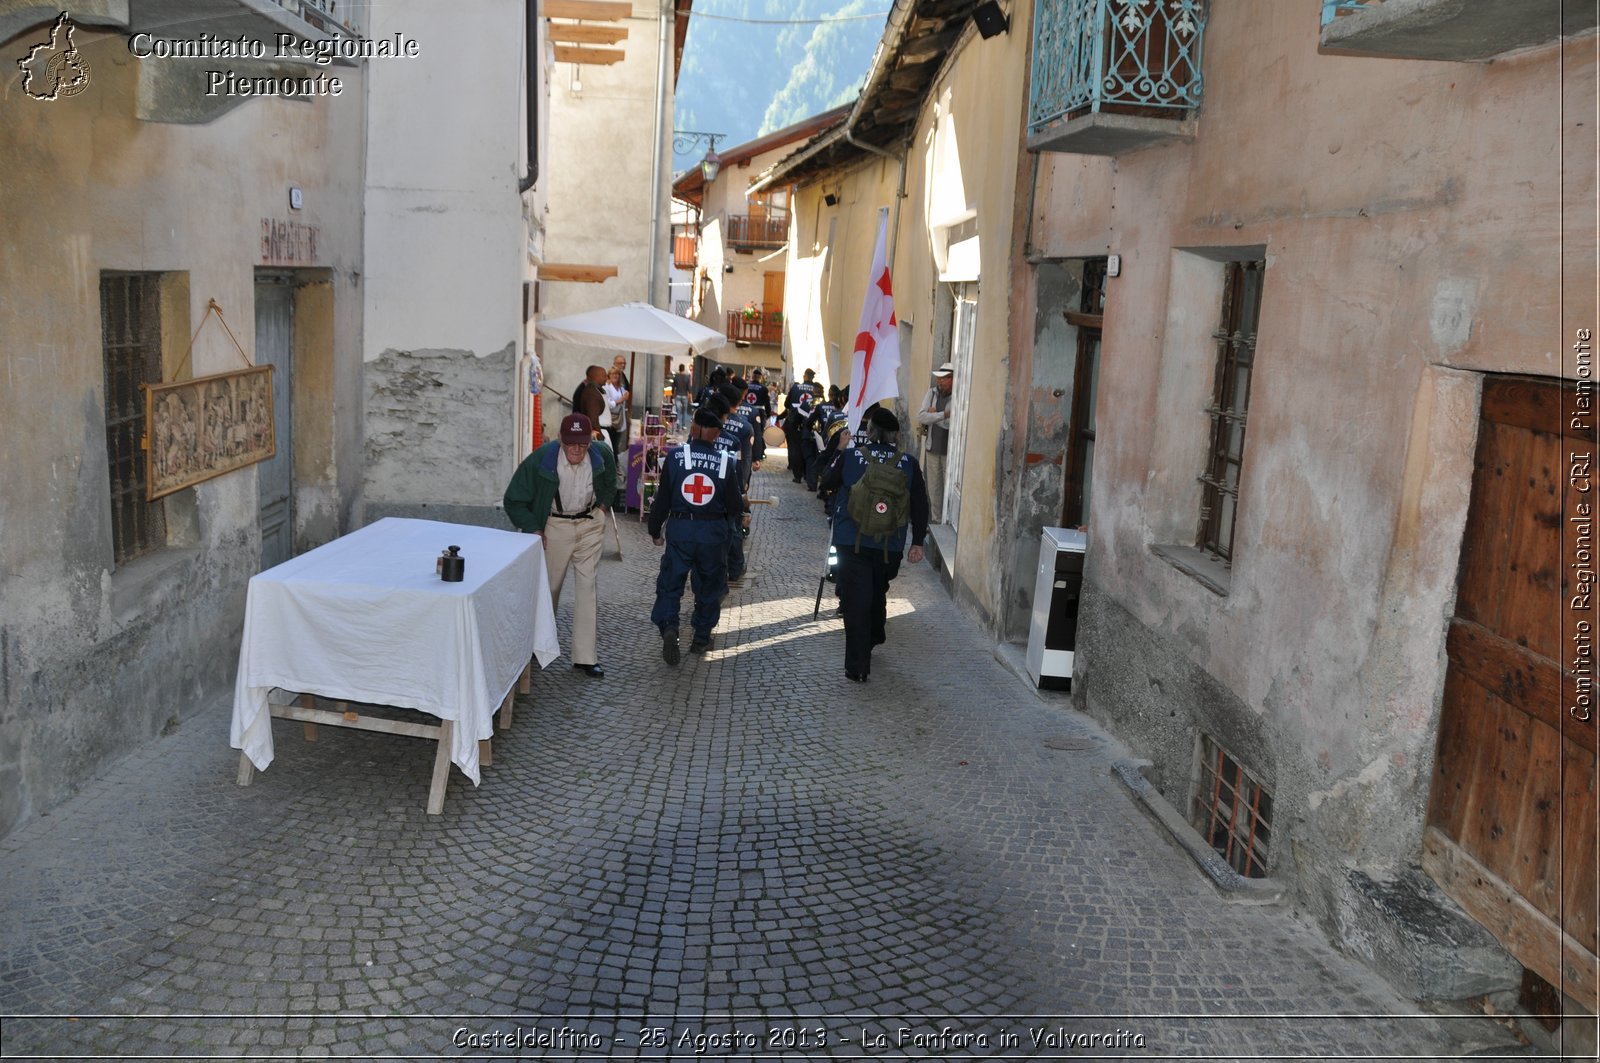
568 33
572 53
593 10
569 271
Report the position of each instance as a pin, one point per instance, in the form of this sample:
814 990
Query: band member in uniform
690 517
797 408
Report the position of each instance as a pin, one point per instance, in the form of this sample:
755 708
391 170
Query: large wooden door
1512 811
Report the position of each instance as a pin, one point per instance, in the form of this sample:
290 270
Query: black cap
884 420
706 419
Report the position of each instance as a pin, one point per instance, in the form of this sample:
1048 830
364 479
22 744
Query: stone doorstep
1229 883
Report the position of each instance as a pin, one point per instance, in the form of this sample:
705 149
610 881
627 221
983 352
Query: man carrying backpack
878 491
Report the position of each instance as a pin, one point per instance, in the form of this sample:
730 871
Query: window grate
130 340
1232 810
1230 402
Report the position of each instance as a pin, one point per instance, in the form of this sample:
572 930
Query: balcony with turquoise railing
1463 30
1114 76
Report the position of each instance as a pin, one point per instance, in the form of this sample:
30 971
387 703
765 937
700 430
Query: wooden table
365 619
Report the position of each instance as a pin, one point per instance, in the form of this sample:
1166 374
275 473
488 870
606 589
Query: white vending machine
1054 631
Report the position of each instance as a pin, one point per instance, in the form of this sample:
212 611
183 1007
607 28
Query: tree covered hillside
752 66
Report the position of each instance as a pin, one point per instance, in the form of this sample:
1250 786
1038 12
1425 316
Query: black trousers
797 458
863 585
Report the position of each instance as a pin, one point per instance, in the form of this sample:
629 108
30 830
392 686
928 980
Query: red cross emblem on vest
698 489
882 507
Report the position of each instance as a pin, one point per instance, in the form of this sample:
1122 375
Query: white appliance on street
1056 589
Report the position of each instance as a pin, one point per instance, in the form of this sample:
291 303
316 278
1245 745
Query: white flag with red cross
875 365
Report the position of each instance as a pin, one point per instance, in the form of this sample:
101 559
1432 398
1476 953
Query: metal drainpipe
664 20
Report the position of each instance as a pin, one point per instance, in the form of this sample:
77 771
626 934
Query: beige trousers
576 543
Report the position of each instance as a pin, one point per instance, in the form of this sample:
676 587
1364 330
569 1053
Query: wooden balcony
766 327
684 247
757 232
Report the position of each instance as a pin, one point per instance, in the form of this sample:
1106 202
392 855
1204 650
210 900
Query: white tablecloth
366 618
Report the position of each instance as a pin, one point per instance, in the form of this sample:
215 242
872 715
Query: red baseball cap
575 428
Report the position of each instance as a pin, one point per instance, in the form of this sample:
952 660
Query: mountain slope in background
745 78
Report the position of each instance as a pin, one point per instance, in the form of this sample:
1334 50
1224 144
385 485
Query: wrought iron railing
1332 9
757 230
337 17
1129 56
763 327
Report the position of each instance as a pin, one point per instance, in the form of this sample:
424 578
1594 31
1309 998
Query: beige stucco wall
94 661
1411 215
826 282
601 212
978 98
445 251
983 82
724 289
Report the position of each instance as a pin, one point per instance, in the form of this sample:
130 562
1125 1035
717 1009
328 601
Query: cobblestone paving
746 850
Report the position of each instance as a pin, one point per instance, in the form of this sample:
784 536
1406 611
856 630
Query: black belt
574 516
697 516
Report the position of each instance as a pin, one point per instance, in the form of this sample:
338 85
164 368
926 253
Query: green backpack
880 502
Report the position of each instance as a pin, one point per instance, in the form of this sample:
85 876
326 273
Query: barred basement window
1236 349
131 343
1232 810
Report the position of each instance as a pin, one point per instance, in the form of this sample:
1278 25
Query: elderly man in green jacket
562 491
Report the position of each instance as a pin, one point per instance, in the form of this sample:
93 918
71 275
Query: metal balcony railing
751 231
765 327
340 18
1137 57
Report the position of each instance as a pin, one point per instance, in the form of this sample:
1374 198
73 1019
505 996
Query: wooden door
1512 811
772 292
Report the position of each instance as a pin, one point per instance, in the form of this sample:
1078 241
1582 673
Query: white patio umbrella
637 327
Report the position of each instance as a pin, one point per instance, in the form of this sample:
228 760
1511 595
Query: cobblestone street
746 849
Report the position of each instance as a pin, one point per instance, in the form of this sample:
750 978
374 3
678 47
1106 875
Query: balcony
765 326
1114 76
684 247
1461 30
757 232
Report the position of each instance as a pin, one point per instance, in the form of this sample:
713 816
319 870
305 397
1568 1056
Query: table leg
247 771
505 711
441 767
525 681
485 752
309 701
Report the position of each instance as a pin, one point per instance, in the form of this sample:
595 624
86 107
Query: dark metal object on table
452 566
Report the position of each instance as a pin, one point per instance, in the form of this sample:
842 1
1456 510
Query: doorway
1510 826
275 477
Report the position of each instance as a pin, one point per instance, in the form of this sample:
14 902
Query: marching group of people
871 485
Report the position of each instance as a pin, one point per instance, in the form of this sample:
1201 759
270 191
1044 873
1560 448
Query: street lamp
684 140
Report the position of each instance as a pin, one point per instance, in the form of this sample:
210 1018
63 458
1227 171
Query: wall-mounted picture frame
202 428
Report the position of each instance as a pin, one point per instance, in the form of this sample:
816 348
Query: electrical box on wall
1113 265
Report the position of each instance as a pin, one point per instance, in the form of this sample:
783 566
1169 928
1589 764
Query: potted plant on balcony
750 312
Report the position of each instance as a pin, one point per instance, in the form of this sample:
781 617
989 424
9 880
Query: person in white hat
934 419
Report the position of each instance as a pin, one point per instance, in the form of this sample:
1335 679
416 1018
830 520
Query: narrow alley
743 857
